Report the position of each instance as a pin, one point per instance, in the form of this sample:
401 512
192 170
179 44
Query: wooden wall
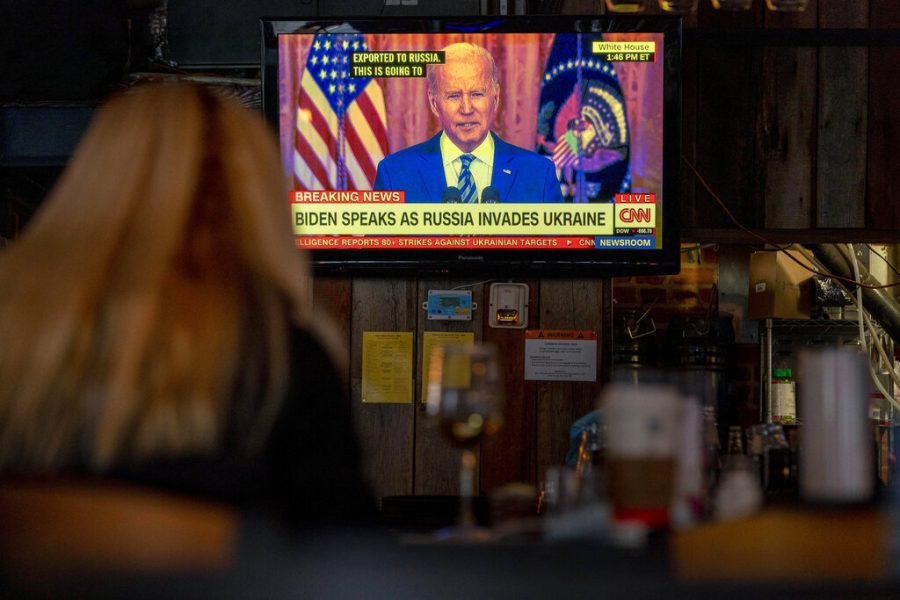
404 453
798 137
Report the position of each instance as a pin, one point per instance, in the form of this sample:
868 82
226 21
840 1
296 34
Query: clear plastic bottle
734 454
784 390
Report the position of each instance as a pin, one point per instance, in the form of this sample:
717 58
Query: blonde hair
149 300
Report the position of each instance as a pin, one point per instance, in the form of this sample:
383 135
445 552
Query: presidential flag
582 121
341 127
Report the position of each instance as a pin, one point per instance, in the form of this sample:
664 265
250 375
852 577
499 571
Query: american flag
566 151
341 133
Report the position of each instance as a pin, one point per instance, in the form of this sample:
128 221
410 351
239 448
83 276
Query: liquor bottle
711 454
735 441
780 466
734 454
738 493
756 451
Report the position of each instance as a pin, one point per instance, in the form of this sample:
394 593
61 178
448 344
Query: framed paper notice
560 355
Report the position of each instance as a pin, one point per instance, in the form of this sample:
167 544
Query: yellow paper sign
387 367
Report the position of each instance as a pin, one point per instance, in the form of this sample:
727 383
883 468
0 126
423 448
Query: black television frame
521 263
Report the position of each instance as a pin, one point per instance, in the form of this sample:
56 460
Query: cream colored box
779 287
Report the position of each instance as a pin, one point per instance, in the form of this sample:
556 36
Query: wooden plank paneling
787 236
727 20
788 143
386 431
788 127
845 15
509 455
842 121
706 77
727 106
688 184
565 304
436 462
884 13
807 18
332 296
577 7
883 184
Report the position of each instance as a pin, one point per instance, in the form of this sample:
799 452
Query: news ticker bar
346 242
391 219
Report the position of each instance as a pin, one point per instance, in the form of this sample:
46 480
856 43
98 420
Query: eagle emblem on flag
582 121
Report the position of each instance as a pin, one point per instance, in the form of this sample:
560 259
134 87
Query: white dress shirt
481 167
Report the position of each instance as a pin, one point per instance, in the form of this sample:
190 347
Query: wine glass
465 397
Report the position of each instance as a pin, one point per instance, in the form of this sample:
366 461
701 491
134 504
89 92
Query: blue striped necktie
466 183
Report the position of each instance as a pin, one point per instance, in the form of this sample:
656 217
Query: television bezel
522 263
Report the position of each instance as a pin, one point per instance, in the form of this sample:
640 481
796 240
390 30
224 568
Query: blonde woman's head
151 295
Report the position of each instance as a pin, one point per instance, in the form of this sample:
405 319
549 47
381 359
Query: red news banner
347 196
387 242
444 242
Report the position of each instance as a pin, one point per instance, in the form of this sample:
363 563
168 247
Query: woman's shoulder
318 339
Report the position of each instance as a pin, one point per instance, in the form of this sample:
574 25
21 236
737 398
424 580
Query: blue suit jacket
519 175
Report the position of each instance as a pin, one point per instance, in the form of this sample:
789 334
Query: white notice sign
560 355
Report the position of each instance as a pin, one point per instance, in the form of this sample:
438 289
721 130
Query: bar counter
783 552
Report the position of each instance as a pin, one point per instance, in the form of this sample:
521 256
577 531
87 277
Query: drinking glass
732 4
624 6
678 6
786 5
465 398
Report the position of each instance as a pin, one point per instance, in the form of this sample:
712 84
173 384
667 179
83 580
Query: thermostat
449 305
509 305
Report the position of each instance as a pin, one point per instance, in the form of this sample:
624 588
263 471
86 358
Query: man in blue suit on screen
467 162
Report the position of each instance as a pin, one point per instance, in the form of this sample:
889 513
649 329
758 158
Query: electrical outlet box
449 305
509 305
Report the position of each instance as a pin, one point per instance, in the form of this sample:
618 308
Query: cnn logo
635 216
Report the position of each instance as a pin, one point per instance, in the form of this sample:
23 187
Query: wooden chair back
91 525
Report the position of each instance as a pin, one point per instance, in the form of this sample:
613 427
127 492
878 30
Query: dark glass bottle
780 466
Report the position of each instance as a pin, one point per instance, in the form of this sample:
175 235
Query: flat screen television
571 126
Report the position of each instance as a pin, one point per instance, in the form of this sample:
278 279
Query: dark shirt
310 471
